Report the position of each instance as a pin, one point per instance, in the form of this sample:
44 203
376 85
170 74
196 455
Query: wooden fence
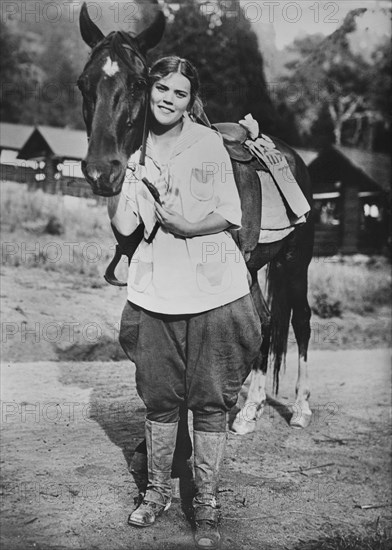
64 185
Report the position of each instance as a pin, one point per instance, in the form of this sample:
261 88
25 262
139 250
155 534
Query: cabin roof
366 170
376 166
13 136
307 155
61 143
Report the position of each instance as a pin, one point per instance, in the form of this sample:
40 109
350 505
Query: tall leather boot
182 467
209 448
160 441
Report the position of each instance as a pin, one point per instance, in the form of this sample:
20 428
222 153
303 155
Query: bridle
110 41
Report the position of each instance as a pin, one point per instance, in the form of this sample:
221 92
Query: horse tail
280 309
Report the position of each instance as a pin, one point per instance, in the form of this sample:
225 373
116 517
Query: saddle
234 137
248 185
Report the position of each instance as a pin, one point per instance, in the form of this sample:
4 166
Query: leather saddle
234 137
245 168
248 185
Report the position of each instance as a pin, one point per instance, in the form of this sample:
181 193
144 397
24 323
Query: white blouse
177 275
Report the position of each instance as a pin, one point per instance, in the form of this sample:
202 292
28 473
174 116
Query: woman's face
170 97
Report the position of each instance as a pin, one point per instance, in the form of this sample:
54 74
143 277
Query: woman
189 323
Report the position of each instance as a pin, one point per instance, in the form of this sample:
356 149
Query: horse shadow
283 410
114 403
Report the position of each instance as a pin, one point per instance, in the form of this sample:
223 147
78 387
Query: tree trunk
337 130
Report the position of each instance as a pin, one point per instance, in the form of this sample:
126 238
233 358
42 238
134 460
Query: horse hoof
241 426
300 422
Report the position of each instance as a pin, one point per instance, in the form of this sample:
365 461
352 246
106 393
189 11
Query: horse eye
139 85
83 85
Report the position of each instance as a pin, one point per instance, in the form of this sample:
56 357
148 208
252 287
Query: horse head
114 85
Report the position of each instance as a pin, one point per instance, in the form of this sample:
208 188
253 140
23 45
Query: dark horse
114 84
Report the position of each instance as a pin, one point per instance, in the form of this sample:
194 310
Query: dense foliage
338 87
225 51
40 63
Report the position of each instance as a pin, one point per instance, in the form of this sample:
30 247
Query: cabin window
373 225
372 212
327 208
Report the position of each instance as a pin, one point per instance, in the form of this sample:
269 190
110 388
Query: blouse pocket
213 277
143 276
202 184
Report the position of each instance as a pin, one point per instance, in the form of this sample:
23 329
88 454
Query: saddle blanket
275 223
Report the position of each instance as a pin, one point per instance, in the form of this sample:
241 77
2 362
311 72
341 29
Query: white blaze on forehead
111 67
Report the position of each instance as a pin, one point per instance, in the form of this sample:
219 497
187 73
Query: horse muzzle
105 178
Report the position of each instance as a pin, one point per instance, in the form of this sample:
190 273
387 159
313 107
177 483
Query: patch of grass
325 307
359 285
84 243
80 218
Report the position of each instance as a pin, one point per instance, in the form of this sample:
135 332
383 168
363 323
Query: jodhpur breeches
201 359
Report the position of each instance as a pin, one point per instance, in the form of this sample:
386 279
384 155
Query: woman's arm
121 215
178 225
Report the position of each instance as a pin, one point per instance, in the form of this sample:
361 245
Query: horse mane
119 43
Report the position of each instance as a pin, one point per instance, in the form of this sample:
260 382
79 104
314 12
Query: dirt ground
70 428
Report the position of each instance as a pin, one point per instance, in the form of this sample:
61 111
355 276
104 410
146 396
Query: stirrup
147 512
207 536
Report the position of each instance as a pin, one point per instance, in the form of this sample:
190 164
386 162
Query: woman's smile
165 109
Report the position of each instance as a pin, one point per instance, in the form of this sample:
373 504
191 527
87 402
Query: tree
40 63
20 72
337 80
60 103
225 51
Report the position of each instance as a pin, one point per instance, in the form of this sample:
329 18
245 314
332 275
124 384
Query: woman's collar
191 133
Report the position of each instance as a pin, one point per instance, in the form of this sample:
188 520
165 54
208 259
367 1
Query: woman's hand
178 225
173 222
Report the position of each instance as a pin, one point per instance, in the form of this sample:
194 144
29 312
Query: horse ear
151 36
89 30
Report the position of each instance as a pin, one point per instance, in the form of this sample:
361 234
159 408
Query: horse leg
301 325
245 420
183 450
297 276
301 409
